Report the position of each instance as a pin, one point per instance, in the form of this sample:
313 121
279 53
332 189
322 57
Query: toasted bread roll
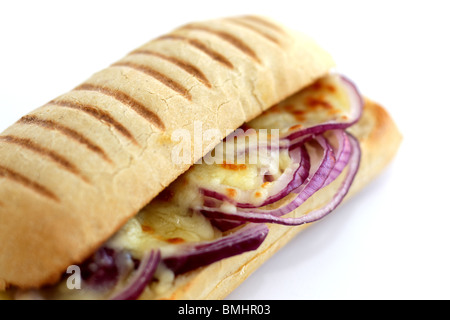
379 140
73 171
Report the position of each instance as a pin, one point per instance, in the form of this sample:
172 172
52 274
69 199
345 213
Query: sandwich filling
221 208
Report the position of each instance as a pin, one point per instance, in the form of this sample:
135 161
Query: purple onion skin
208 253
144 275
225 225
100 270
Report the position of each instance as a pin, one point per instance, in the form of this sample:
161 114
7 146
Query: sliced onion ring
289 180
192 256
323 164
274 216
342 152
141 277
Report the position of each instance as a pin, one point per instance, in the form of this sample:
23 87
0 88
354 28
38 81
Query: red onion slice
353 166
225 225
291 178
290 182
141 277
101 270
192 256
343 151
275 216
323 161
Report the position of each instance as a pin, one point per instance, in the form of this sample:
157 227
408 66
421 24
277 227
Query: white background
391 241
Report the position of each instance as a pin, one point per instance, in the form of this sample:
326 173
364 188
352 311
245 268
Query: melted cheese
325 100
167 221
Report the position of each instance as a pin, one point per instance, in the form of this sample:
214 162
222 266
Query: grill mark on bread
52 125
100 115
24 181
264 22
231 39
45 152
251 27
200 46
168 82
126 100
189 68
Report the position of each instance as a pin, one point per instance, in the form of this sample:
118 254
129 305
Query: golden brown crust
379 140
73 171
